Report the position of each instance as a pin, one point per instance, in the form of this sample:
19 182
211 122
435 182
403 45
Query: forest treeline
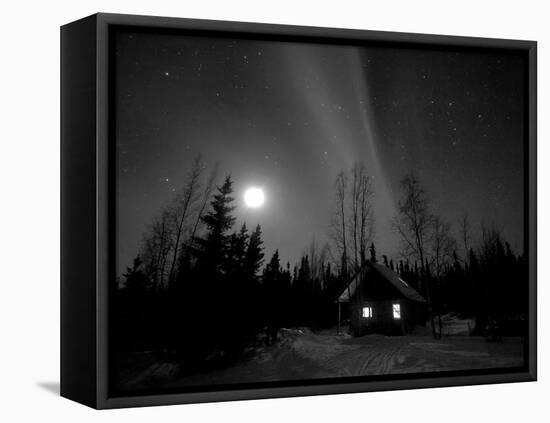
201 290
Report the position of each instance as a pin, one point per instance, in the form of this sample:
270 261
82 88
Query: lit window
397 311
367 312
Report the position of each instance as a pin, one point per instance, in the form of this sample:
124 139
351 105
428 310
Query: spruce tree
212 249
254 257
213 289
272 285
236 254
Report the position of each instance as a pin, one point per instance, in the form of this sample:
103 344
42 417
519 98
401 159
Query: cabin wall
382 320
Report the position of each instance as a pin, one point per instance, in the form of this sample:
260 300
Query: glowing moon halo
254 197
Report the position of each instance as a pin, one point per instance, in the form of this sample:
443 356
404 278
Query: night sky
289 116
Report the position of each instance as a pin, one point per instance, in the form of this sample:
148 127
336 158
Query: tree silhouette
166 244
352 227
372 251
273 290
181 210
136 281
254 253
212 248
442 245
413 224
224 297
236 255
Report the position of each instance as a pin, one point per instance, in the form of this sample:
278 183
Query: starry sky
288 116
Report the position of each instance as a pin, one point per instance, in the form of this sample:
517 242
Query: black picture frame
87 209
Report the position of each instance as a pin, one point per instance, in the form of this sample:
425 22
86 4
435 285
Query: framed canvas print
255 211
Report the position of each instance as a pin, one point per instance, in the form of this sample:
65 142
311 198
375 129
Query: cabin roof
388 275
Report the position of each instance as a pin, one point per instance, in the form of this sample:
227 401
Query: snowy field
302 354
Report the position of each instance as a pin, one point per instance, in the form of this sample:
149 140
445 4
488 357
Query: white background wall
29 210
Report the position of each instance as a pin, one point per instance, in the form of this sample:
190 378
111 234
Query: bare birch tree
339 222
443 245
414 220
172 231
363 216
353 223
413 224
155 249
182 209
205 199
317 257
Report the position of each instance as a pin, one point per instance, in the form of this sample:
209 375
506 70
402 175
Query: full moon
254 197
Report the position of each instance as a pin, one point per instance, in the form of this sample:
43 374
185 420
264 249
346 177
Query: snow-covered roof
388 275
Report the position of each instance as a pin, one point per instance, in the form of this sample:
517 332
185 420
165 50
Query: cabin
379 301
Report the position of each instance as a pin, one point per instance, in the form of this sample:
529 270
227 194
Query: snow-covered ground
302 354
